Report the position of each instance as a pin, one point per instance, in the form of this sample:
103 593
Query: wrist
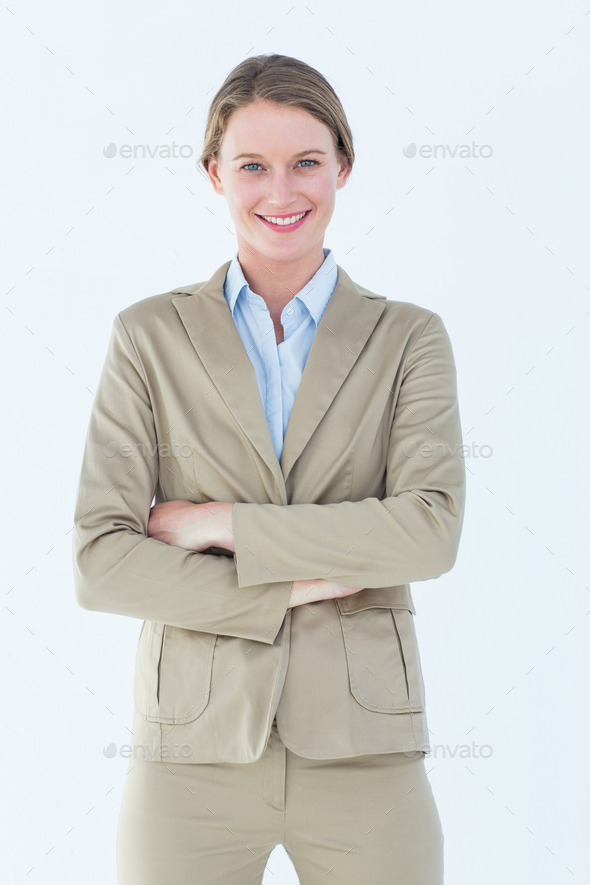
223 535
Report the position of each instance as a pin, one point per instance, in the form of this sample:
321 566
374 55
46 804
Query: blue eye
314 162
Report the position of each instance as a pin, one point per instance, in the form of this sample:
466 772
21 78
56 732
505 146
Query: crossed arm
150 564
200 526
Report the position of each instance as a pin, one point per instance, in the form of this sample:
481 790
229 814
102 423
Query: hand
193 526
315 590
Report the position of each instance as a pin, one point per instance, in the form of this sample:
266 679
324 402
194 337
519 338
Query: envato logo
436 450
145 151
140 751
164 450
471 151
461 751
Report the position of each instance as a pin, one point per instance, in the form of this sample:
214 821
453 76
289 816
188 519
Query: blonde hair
279 79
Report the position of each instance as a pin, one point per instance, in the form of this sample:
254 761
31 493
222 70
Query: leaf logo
410 449
110 151
411 150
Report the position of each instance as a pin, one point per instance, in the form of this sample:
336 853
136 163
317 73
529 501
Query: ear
344 172
213 173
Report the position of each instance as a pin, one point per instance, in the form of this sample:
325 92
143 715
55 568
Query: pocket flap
398 596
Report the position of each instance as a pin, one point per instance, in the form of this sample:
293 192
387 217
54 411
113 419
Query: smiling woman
278 690
280 191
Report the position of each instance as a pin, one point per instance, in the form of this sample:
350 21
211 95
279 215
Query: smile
287 223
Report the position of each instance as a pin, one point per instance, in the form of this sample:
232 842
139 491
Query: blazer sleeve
413 533
117 567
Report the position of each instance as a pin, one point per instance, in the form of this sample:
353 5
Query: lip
284 229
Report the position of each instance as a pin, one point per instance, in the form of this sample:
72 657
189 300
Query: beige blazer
369 492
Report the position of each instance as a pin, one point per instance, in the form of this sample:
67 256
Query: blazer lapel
346 324
342 332
211 328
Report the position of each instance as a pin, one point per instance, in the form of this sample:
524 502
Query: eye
315 163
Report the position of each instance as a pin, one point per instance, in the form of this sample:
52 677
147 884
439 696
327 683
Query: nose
280 192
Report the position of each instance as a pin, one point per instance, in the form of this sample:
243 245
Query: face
278 161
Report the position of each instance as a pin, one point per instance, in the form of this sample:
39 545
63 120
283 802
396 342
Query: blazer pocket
383 660
172 673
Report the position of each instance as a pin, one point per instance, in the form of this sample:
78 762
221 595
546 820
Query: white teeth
283 221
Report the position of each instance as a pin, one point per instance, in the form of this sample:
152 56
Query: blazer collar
342 332
313 297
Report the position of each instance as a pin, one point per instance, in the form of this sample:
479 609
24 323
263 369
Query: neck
277 282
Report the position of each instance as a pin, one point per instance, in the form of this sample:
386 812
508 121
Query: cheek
321 192
243 195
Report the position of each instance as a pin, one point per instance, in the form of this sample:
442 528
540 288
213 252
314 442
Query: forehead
264 128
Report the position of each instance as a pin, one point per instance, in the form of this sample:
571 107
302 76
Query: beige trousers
353 821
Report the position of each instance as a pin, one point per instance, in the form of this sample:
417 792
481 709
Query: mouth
280 225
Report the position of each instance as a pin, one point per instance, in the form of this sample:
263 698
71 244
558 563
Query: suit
369 492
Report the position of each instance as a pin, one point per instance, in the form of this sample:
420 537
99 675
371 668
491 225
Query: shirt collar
314 295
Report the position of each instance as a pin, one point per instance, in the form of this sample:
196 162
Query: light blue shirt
279 367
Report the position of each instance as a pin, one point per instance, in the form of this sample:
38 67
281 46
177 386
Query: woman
301 436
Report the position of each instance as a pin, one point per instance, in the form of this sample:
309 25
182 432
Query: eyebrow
261 157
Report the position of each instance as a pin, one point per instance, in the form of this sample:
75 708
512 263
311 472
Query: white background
497 246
